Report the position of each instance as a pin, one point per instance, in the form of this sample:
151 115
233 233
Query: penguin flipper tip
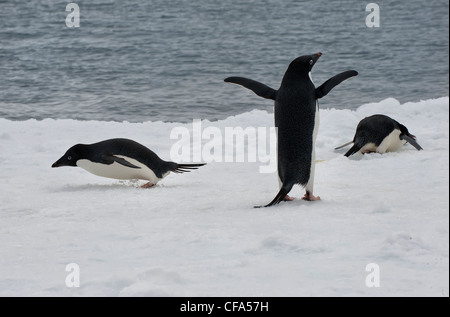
355 148
412 141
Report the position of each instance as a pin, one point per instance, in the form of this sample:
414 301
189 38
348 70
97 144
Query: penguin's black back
124 147
375 129
295 110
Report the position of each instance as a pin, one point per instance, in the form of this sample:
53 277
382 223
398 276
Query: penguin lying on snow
381 134
122 159
297 121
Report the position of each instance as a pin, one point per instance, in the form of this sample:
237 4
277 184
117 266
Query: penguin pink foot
148 185
310 197
288 198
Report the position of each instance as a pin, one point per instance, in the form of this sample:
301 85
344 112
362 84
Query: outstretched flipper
186 168
411 141
279 197
343 146
326 87
255 86
110 159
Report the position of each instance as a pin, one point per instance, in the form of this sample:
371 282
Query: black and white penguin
122 159
297 122
380 134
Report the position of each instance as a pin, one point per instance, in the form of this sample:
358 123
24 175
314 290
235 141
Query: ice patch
199 231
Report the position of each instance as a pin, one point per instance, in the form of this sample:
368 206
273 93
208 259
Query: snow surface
198 234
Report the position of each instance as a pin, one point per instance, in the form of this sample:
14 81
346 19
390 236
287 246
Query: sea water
166 60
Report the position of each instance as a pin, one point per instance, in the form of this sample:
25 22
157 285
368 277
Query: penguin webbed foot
148 185
288 198
310 197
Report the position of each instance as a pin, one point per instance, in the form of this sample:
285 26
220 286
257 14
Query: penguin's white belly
310 186
119 171
391 143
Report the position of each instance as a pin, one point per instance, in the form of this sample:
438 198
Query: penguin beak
58 163
316 57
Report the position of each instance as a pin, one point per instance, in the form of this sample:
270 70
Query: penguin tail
186 168
279 197
355 148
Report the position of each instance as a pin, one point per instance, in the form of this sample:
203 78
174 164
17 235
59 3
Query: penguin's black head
404 131
304 64
70 158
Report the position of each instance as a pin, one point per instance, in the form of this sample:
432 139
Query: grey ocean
166 60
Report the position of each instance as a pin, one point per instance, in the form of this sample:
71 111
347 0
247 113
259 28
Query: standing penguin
297 122
121 159
381 134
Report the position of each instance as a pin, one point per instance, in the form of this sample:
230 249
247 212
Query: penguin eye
69 158
311 62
